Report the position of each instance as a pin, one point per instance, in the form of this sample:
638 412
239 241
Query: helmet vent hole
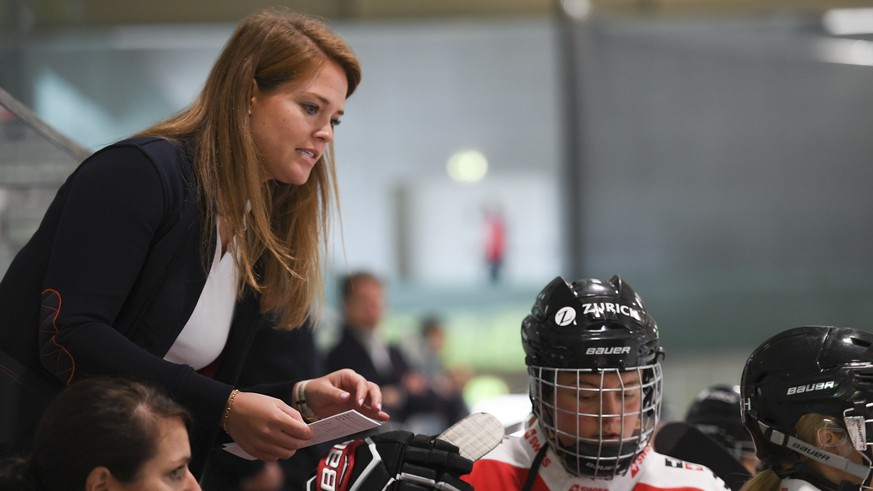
861 342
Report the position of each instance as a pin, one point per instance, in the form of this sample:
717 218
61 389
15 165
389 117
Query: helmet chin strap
801 447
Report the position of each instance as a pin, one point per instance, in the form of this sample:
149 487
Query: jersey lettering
531 437
635 466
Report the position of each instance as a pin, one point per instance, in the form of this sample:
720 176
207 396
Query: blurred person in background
807 401
106 434
448 383
593 355
362 348
163 255
715 411
495 243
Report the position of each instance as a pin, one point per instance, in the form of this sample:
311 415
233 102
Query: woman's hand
266 427
343 390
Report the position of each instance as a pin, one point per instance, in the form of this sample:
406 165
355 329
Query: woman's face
293 124
168 469
596 412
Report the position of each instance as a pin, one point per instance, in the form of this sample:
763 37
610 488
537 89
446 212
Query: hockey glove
392 461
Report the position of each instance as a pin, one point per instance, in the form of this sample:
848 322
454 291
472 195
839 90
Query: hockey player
806 400
593 360
716 412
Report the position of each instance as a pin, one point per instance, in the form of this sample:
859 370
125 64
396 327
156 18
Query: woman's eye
310 108
335 122
178 473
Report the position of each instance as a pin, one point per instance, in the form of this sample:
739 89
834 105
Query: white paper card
323 430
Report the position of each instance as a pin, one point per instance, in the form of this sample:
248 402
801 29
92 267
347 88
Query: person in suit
163 255
362 348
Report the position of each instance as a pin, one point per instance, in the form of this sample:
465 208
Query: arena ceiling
48 14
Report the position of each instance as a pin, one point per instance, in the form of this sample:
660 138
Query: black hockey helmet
809 369
589 323
715 411
592 326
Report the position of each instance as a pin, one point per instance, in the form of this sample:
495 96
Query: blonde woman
162 255
805 401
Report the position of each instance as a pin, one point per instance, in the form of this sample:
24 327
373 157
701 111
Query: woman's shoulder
158 167
145 154
165 153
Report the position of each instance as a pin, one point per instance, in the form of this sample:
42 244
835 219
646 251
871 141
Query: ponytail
766 480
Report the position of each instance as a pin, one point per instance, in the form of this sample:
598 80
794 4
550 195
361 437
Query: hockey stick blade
475 435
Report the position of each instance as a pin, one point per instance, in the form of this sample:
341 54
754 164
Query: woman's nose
193 485
325 132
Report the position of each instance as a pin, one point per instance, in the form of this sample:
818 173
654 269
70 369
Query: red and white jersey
506 468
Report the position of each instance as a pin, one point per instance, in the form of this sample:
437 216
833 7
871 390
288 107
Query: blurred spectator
495 243
361 347
447 383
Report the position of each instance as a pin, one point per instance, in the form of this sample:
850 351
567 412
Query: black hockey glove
392 461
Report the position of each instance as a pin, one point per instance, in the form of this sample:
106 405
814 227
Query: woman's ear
256 92
98 479
828 438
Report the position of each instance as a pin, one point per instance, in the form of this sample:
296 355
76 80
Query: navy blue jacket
111 276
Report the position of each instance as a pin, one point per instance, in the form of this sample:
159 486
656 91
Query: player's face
593 406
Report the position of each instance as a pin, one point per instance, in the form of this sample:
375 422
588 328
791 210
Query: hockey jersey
506 468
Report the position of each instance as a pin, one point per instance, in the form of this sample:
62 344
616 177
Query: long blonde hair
280 230
767 480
